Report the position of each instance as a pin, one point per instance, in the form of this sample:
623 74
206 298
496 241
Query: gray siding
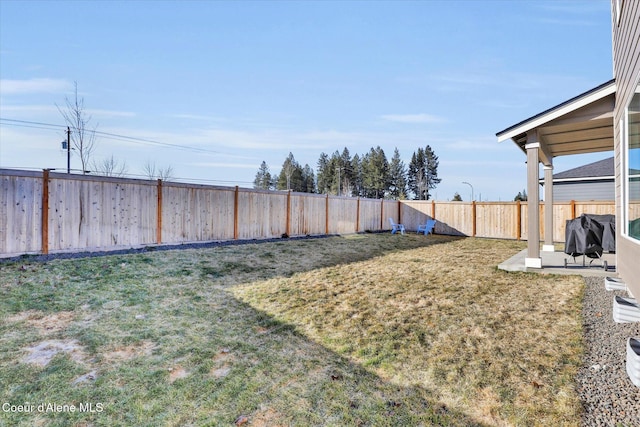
626 62
584 191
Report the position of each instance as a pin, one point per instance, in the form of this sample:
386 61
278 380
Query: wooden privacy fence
45 211
504 220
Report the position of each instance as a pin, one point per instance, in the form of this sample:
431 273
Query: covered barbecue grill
590 235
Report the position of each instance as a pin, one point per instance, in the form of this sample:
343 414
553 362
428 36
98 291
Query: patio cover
583 124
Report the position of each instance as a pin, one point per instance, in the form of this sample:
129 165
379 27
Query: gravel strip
608 397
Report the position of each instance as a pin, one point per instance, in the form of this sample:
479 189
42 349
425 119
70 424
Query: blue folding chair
396 227
428 227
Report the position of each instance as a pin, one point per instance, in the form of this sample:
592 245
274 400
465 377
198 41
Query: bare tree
165 174
83 137
149 169
110 167
153 172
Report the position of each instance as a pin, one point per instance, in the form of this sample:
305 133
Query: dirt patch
266 418
141 349
223 356
222 364
88 377
176 373
221 372
45 323
42 353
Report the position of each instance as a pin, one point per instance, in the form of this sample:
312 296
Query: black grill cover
583 236
608 241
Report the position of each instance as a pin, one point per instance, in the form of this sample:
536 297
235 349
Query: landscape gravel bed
608 397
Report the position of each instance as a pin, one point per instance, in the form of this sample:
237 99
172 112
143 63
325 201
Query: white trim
566 109
624 122
533 262
548 248
595 178
624 188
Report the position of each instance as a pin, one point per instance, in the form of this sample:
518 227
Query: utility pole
68 150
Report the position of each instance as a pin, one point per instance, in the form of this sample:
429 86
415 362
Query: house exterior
603 119
625 16
594 181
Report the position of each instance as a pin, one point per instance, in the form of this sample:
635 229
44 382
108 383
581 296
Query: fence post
288 225
433 209
518 221
236 198
159 214
326 214
473 213
573 209
45 211
381 214
358 215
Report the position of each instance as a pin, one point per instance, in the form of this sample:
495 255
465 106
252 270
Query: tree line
369 175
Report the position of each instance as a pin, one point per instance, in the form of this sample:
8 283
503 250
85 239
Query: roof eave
559 110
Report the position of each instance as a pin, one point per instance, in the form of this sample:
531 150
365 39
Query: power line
106 135
32 125
118 137
137 176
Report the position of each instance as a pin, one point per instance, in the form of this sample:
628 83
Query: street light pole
68 150
472 198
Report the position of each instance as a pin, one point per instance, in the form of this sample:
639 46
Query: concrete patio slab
554 263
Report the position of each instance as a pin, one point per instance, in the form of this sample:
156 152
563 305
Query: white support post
533 259
548 209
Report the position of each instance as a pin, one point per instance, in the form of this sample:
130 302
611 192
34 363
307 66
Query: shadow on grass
246 364
285 258
213 359
294 380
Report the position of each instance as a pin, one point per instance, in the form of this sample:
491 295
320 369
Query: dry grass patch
502 347
128 352
45 323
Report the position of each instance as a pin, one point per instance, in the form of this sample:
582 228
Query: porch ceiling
583 124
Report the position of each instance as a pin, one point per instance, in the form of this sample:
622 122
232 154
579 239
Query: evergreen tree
521 196
431 170
457 198
290 177
375 173
397 177
356 176
263 178
342 173
308 180
415 177
423 173
324 176
333 170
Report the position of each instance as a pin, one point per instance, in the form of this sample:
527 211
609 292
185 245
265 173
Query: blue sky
242 82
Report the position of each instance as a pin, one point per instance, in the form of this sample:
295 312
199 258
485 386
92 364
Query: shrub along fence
47 211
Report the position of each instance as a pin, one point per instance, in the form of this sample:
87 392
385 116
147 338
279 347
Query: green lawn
367 329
